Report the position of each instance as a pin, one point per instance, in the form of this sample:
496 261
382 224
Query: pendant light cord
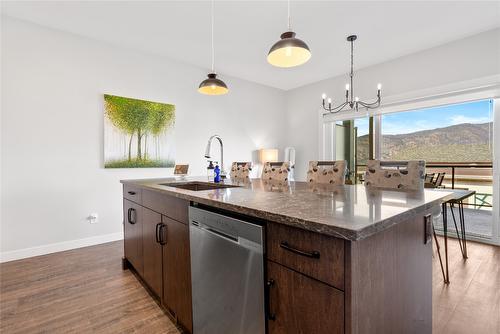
212 32
289 18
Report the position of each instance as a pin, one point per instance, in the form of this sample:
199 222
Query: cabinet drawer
170 206
132 193
313 254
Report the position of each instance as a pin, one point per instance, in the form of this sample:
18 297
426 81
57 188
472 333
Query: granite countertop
351 212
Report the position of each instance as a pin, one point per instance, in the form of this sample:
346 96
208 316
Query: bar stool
276 171
241 170
407 175
332 172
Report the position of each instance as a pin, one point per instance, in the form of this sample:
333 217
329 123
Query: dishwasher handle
215 232
242 242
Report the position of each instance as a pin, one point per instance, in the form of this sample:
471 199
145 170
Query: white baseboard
58 247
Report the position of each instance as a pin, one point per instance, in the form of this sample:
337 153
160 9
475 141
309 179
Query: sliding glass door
455 141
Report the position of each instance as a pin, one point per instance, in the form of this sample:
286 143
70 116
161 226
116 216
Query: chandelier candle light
351 102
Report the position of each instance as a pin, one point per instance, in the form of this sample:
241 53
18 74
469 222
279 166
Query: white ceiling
245 30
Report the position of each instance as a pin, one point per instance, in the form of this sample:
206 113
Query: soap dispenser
217 173
210 170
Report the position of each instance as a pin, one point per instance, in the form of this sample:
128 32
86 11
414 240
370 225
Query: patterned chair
332 172
241 170
395 174
276 171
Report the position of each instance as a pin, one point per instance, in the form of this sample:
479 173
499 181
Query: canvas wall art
138 133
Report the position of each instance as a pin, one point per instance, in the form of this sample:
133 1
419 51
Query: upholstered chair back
276 171
332 172
241 170
395 174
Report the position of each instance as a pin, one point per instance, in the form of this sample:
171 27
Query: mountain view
457 143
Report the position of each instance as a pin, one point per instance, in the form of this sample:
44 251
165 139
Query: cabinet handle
162 234
129 216
131 192
270 315
427 229
286 246
158 232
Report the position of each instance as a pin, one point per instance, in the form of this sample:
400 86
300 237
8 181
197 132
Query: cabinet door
177 272
302 305
152 250
132 230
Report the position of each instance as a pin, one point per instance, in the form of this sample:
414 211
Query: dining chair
429 177
438 183
332 172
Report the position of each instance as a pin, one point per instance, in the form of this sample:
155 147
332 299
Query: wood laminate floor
471 302
79 291
86 291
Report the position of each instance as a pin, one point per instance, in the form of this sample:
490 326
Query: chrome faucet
207 153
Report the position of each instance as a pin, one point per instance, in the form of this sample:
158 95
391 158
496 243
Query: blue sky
432 118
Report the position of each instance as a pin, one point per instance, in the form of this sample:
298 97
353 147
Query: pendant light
288 51
212 85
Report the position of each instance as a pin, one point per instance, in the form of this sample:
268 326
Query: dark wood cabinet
156 234
152 250
316 283
132 230
302 305
177 272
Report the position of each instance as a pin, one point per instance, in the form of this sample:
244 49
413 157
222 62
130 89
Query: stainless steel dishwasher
227 274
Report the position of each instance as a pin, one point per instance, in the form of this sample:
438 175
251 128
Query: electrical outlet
93 218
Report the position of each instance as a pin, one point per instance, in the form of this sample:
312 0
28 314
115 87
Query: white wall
463 60
52 130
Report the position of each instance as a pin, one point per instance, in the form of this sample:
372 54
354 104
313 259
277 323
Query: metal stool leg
445 232
438 251
452 206
462 222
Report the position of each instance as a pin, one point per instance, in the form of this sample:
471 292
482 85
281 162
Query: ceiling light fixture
351 102
212 85
288 51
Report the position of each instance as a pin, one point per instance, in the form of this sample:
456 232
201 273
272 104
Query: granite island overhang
351 212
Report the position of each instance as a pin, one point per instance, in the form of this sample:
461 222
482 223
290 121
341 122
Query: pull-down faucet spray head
208 156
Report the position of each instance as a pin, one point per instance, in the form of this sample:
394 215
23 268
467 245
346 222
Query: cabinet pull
270 315
163 234
131 192
313 254
427 229
158 232
129 216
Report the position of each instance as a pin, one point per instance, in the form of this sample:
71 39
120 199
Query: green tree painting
138 133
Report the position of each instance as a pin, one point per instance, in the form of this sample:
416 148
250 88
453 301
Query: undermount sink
198 186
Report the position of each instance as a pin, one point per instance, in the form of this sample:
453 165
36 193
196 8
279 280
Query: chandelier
351 102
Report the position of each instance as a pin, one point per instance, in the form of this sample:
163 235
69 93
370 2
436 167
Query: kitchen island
338 259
